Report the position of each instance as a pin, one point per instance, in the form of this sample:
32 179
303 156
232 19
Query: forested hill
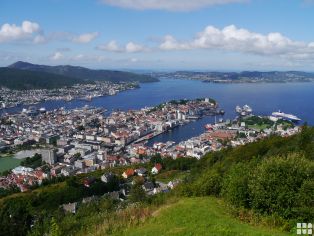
83 73
23 79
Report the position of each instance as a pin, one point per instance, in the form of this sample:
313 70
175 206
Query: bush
137 193
276 184
208 184
305 202
235 186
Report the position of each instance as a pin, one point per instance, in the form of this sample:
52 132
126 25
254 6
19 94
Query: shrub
276 183
235 185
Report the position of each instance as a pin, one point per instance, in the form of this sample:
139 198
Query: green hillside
197 216
262 188
23 79
83 73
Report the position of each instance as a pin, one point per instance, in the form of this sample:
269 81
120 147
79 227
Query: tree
156 159
54 228
137 193
235 185
77 156
276 183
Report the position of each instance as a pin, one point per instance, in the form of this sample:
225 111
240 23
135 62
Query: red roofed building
156 169
128 173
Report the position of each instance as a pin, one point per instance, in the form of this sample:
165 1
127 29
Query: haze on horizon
159 34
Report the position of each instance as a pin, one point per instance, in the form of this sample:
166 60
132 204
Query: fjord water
264 98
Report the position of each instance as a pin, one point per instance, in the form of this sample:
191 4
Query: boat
285 116
42 110
247 109
244 111
208 127
69 98
238 109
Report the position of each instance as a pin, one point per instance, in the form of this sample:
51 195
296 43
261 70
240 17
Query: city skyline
159 35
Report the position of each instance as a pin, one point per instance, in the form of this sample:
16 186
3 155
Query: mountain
83 73
23 79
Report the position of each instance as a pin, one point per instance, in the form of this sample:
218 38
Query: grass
170 175
259 127
7 162
197 216
6 155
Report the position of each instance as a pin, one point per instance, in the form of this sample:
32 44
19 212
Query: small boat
209 127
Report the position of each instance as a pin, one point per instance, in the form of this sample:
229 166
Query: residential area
12 98
85 140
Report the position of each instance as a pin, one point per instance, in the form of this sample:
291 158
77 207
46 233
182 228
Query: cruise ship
285 116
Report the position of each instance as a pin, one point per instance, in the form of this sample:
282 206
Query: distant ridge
23 79
241 77
83 73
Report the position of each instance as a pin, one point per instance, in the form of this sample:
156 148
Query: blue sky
160 34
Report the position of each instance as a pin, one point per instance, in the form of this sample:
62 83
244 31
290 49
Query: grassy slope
197 216
167 176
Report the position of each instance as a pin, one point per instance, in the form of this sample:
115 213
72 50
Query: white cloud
85 38
170 43
79 57
130 47
12 32
31 32
84 59
56 56
39 39
134 60
111 46
171 5
236 39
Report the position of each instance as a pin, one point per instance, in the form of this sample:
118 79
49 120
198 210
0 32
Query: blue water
295 98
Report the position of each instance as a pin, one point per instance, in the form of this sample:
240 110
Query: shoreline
85 99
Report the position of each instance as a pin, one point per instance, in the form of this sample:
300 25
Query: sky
223 35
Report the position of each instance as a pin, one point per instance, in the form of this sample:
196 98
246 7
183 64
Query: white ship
238 109
244 111
247 109
285 116
42 110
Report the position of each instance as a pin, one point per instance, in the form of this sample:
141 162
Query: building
22 170
79 164
89 181
49 156
148 186
156 169
141 171
70 207
107 177
128 173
